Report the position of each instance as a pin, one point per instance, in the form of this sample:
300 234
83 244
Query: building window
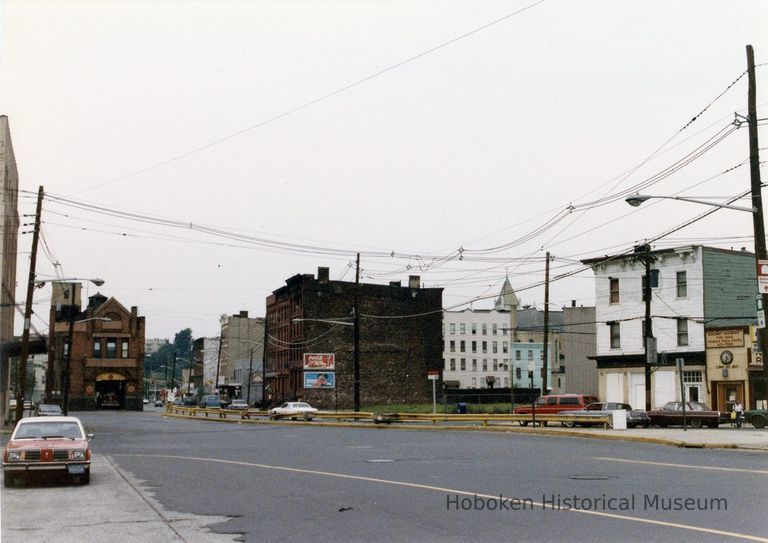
506 382
124 348
463 328
97 348
485 364
474 328
682 332
452 346
453 364
518 373
495 365
494 328
530 355
615 335
474 364
614 291
474 382
485 329
682 285
517 354
474 346
462 346
504 347
485 346
452 328
463 365
111 347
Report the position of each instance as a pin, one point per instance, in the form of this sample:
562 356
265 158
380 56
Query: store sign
319 379
319 361
733 337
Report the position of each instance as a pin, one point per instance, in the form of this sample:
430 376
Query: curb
498 429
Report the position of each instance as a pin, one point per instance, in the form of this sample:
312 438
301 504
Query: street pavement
113 508
158 478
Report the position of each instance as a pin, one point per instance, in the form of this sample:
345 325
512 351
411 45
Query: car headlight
14 456
78 455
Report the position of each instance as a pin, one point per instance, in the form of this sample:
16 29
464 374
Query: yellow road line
668 465
614 516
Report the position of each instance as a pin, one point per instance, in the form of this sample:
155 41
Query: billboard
319 361
319 379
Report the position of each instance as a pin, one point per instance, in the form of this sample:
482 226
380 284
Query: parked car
756 417
635 418
210 401
48 445
555 403
48 410
697 415
238 404
159 403
146 401
293 410
190 399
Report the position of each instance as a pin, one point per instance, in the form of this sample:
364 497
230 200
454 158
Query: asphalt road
294 482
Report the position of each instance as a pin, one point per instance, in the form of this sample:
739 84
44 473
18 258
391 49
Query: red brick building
106 369
400 340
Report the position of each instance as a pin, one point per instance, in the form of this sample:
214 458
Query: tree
183 343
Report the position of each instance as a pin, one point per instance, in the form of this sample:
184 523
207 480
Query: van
210 401
555 403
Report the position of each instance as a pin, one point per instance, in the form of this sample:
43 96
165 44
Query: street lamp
637 199
22 377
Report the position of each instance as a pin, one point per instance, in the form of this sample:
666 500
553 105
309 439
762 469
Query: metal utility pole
546 328
356 368
173 372
21 376
264 362
757 203
218 363
250 373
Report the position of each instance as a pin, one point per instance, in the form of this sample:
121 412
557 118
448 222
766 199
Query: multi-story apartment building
106 363
9 229
242 350
205 358
399 340
695 290
153 345
495 348
576 371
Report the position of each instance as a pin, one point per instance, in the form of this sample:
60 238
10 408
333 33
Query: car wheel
758 421
523 422
569 424
696 423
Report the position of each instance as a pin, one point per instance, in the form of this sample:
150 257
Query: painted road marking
406 484
667 465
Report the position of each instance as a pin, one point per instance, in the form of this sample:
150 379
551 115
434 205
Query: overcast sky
442 139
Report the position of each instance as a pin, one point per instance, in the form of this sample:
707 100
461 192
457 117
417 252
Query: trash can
619 419
461 408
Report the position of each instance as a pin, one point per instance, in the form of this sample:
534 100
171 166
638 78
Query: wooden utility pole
648 340
21 376
356 367
757 204
546 328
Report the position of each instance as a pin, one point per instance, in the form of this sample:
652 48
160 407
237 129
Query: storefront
728 354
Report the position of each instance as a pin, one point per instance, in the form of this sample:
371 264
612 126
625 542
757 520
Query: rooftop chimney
322 275
414 281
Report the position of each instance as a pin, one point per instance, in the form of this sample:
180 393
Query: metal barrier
388 418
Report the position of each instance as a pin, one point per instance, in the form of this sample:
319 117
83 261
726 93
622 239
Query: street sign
433 375
760 311
762 275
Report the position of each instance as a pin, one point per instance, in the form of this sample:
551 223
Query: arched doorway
110 391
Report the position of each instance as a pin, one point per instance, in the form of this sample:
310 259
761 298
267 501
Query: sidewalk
113 508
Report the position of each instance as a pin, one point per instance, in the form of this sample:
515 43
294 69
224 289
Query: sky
197 154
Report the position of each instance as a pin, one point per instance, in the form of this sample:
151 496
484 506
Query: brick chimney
322 275
414 281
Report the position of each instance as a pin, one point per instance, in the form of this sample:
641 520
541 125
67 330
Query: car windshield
302 405
49 408
45 430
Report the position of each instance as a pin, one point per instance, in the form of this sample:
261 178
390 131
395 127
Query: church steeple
507 298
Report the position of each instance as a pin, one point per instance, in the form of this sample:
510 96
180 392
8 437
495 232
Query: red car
554 404
43 445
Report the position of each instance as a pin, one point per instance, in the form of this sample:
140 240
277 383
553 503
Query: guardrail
388 418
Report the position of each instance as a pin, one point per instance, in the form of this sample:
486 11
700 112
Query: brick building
107 363
400 340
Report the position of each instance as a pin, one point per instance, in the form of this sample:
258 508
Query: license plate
76 470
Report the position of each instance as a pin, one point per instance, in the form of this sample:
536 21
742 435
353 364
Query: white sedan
293 410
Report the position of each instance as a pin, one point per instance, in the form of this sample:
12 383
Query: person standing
739 410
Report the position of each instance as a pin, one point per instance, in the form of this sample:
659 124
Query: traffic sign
433 375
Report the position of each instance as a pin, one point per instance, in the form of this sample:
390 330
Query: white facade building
694 288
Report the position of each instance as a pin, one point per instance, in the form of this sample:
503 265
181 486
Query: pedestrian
738 409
